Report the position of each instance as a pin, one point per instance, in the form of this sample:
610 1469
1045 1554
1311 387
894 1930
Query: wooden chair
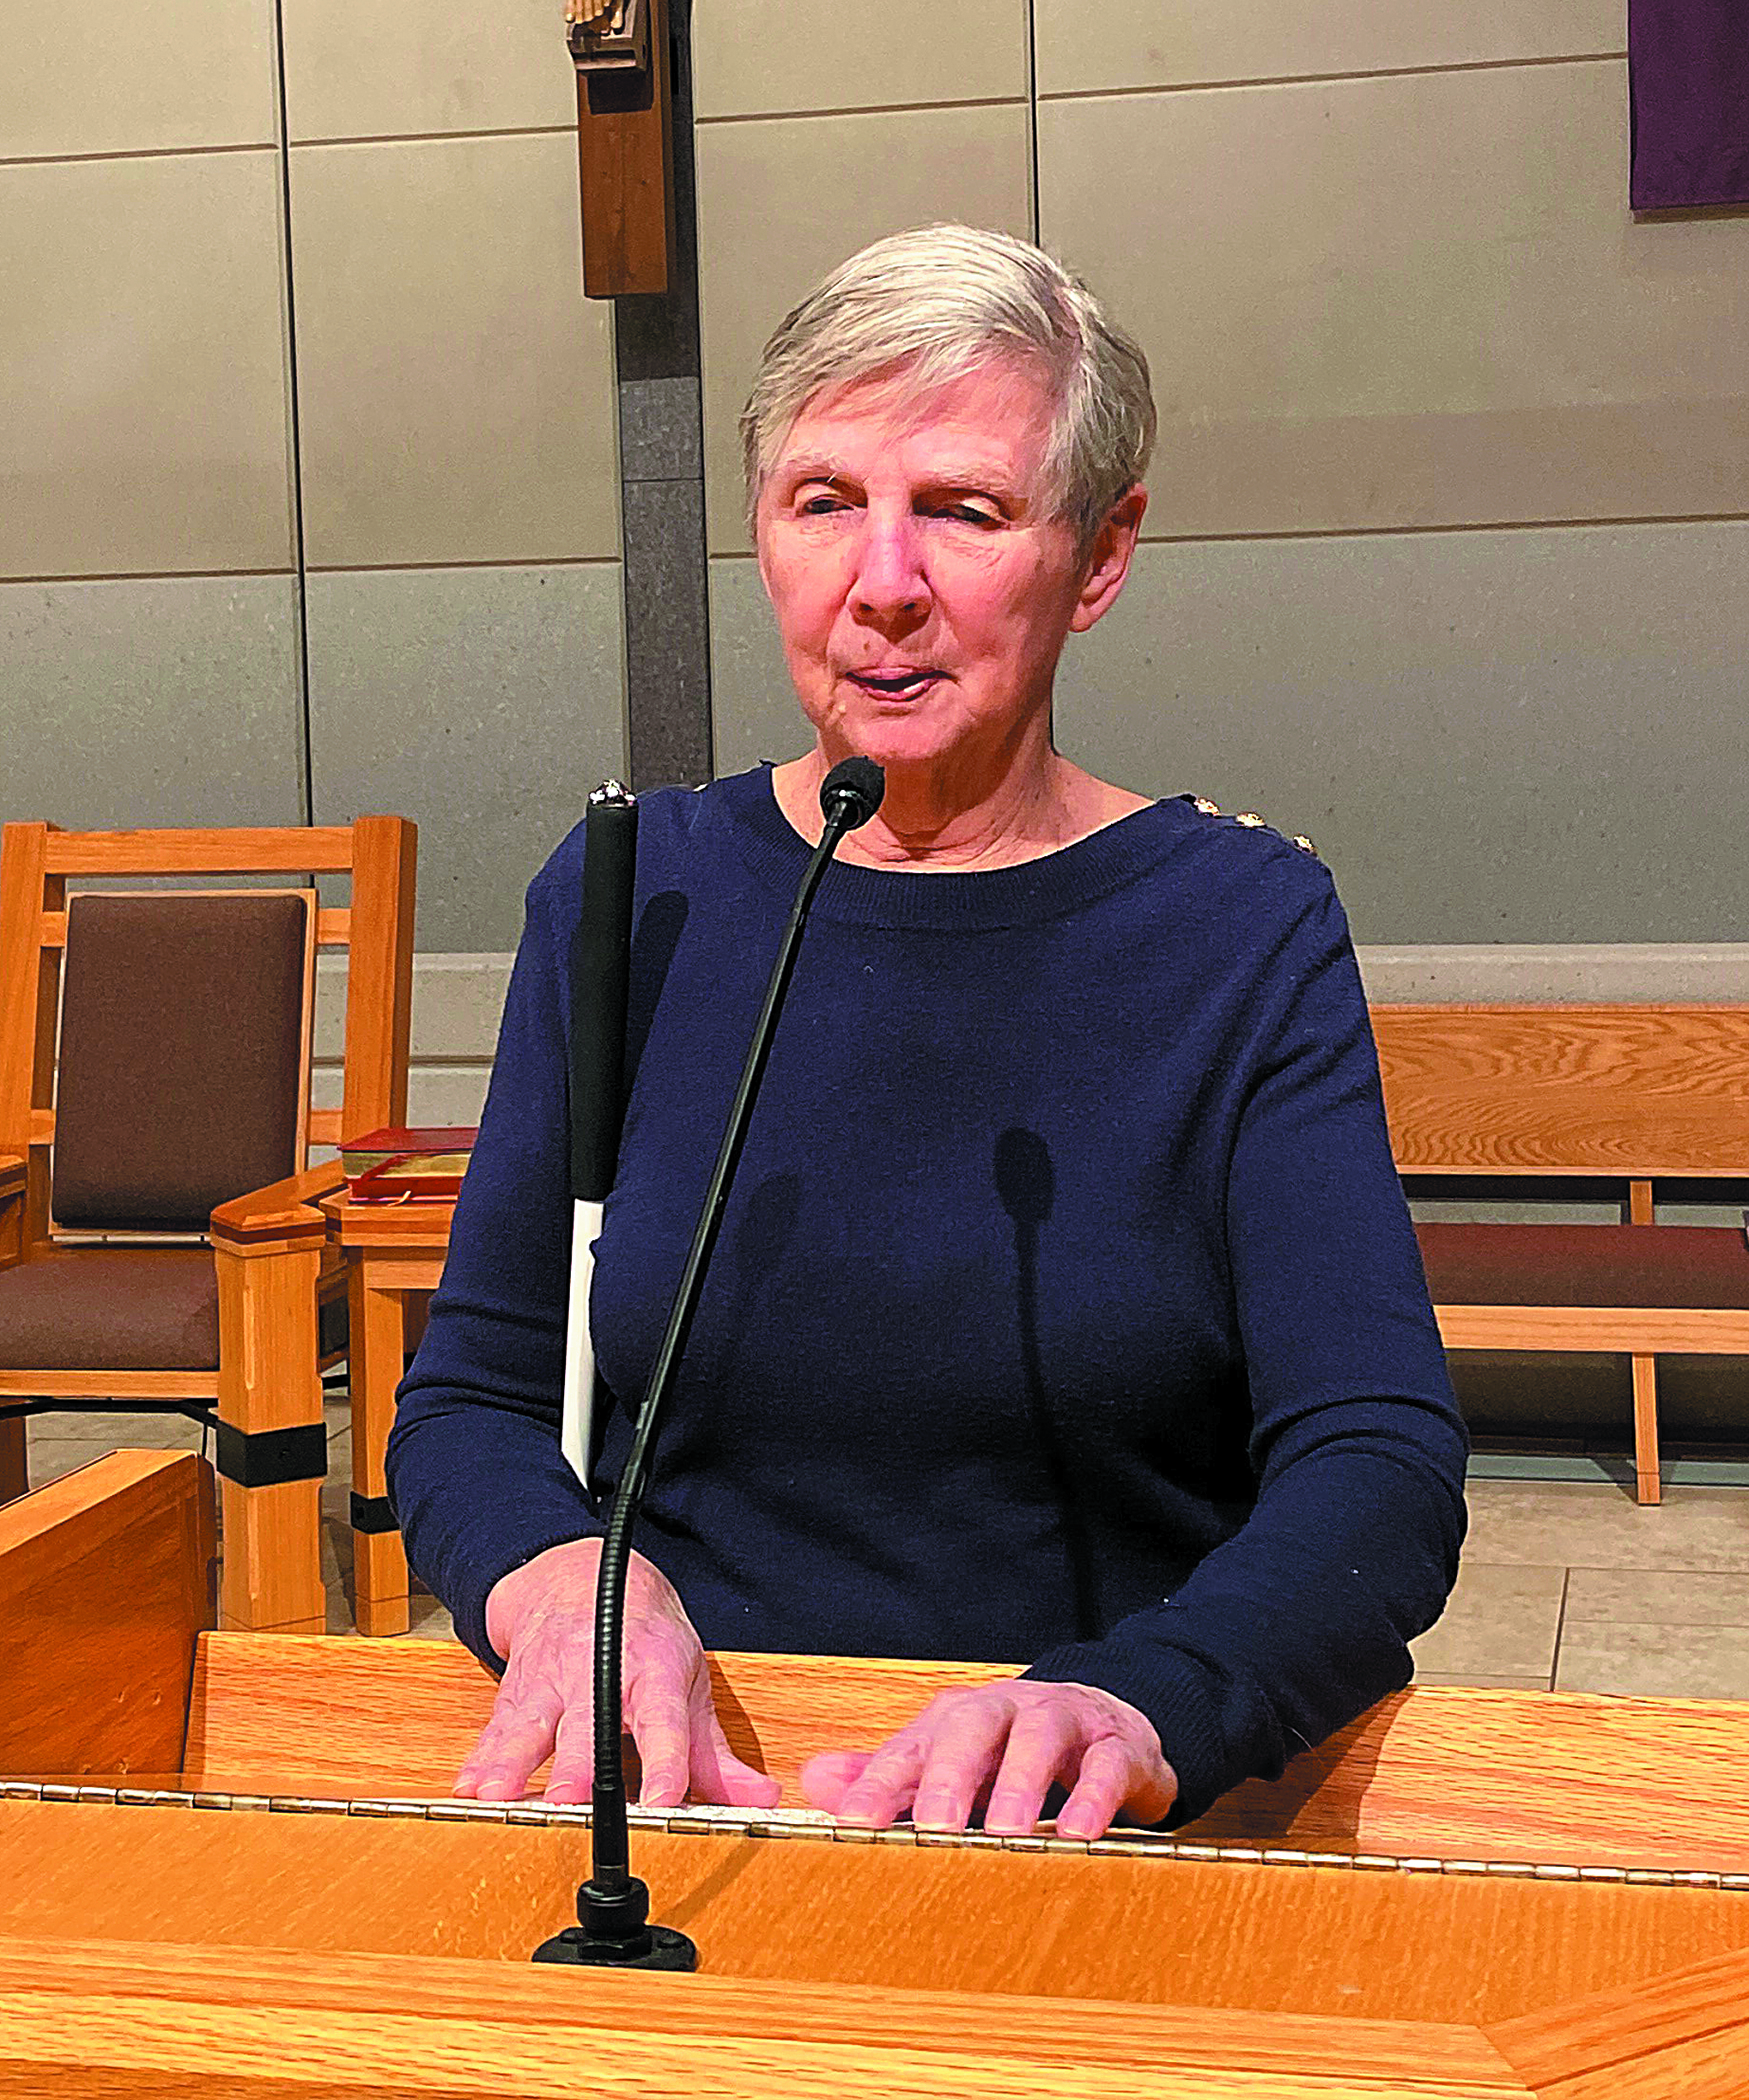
1629 1095
159 1241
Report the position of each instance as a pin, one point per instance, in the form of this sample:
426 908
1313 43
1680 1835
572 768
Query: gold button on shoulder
1247 820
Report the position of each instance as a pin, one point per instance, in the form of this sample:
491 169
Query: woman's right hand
541 1618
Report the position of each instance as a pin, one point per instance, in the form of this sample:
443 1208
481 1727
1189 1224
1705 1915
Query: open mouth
895 685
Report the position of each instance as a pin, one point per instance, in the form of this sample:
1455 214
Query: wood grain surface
625 160
1634 1091
330 1717
116 1386
1045 2031
418 1226
269 1378
281 1212
333 927
123 2012
934 2042
379 974
23 861
14 1443
300 850
117 2047
949 1967
1657 1331
14 1457
1130 1930
377 1353
105 1582
1542 1776
30 985
1689 2008
1562 1778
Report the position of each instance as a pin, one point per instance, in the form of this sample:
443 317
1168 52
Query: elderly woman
1067 1312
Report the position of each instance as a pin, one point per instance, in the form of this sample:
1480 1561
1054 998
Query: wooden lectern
229 1866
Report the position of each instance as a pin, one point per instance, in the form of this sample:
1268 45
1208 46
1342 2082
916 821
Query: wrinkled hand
1004 1745
541 1619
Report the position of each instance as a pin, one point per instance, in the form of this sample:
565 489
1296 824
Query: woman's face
922 591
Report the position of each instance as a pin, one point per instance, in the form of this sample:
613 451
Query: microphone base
656 1947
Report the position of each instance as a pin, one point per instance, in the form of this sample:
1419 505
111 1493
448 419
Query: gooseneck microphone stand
613 1905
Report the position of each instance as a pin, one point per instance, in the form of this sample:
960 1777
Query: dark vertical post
661 464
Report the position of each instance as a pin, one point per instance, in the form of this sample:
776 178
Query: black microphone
613 1905
855 785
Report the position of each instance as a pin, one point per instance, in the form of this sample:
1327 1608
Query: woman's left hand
1003 1747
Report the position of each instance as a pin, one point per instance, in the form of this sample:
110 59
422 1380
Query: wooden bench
1630 1095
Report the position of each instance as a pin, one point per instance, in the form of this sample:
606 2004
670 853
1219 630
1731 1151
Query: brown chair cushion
1625 1265
181 1028
111 1309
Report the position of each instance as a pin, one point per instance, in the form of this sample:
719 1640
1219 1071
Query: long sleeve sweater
1066 1311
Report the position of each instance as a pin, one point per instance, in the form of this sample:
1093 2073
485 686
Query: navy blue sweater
1066 1311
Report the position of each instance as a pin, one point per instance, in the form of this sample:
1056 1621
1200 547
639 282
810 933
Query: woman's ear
1108 563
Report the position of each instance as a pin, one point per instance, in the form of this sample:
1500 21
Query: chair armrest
284 1210
13 1179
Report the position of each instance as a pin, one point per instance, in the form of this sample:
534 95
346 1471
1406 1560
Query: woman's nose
890 579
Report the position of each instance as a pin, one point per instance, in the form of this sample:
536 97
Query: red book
396 1165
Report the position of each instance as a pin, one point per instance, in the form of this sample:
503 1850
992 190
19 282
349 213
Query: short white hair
940 301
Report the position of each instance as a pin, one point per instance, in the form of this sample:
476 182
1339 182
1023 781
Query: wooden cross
625 143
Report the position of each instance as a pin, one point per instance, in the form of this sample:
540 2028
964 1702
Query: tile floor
1566 1585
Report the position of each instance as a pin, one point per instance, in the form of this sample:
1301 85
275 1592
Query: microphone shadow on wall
1027 1185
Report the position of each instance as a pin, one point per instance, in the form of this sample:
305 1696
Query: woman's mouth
904 684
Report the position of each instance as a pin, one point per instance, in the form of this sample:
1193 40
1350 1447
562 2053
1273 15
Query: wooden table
232 1869
394 1255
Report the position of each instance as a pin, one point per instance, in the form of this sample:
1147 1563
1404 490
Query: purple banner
1688 68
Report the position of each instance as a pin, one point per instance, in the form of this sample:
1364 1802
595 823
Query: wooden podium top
241 1851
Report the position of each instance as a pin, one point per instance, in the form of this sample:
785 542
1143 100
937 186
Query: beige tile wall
483 678
783 57
457 426
456 417
81 79
1131 44
1408 300
455 390
1521 735
201 399
371 69
143 412
148 620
